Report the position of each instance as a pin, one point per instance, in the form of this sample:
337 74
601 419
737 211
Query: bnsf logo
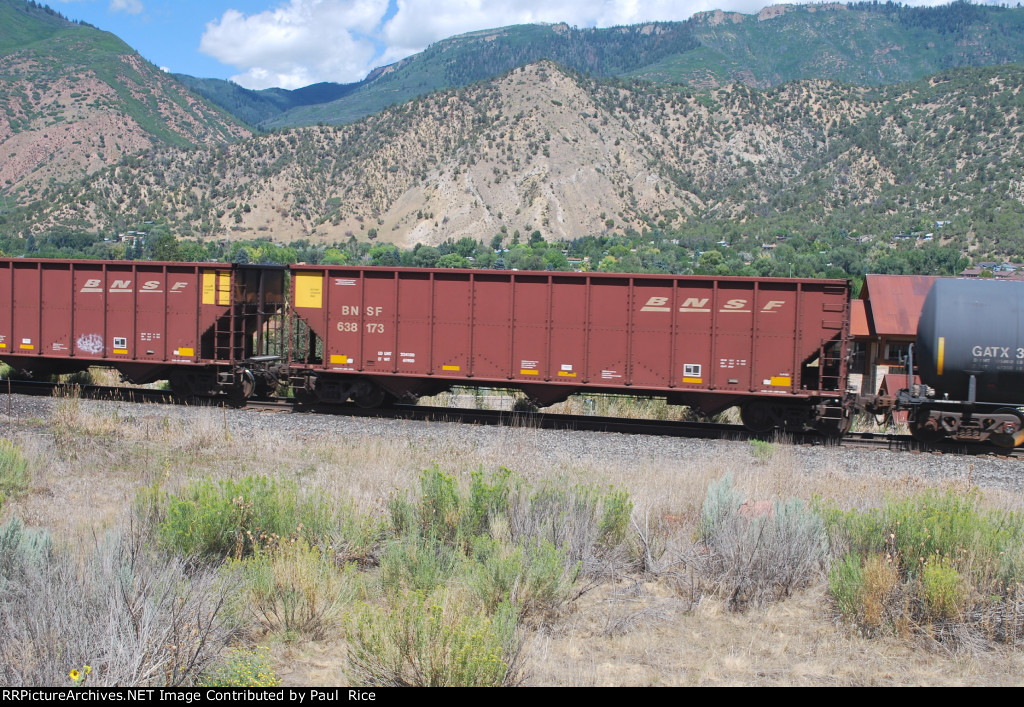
96 285
698 304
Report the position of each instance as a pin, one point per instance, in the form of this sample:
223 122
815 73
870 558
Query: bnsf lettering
96 285
655 304
694 304
700 304
348 310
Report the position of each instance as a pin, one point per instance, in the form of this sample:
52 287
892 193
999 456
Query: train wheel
374 397
925 434
758 416
835 428
1008 441
243 388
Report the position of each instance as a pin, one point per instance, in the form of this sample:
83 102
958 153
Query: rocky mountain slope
539 149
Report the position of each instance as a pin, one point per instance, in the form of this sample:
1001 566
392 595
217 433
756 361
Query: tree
452 260
426 257
164 246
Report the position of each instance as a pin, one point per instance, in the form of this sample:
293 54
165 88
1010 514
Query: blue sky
293 43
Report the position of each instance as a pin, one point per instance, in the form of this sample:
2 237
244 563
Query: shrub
294 590
616 511
135 618
537 578
418 563
14 473
504 541
753 559
488 499
934 525
436 639
943 590
950 567
233 518
869 590
588 524
354 537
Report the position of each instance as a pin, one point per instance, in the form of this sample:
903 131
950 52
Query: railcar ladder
245 329
229 331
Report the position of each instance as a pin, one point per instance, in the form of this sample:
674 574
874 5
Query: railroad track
506 418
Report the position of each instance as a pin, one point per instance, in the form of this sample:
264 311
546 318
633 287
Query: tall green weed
233 518
937 560
433 639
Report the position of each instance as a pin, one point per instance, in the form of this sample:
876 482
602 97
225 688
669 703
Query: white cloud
305 41
131 7
298 43
420 22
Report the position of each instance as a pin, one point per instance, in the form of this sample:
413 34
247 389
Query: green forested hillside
862 43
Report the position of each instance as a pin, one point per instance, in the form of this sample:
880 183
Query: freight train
776 348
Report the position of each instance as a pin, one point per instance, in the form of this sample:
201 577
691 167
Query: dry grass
87 464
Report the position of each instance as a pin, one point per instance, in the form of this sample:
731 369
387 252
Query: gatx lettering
996 352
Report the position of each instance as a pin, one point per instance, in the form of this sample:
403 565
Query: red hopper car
775 347
202 326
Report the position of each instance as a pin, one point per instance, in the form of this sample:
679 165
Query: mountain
568 156
260 107
74 99
864 44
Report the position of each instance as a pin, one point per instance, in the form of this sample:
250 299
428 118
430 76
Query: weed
14 472
294 590
242 668
435 639
233 518
762 451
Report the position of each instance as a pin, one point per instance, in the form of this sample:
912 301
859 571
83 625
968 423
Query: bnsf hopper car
970 352
208 328
774 347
